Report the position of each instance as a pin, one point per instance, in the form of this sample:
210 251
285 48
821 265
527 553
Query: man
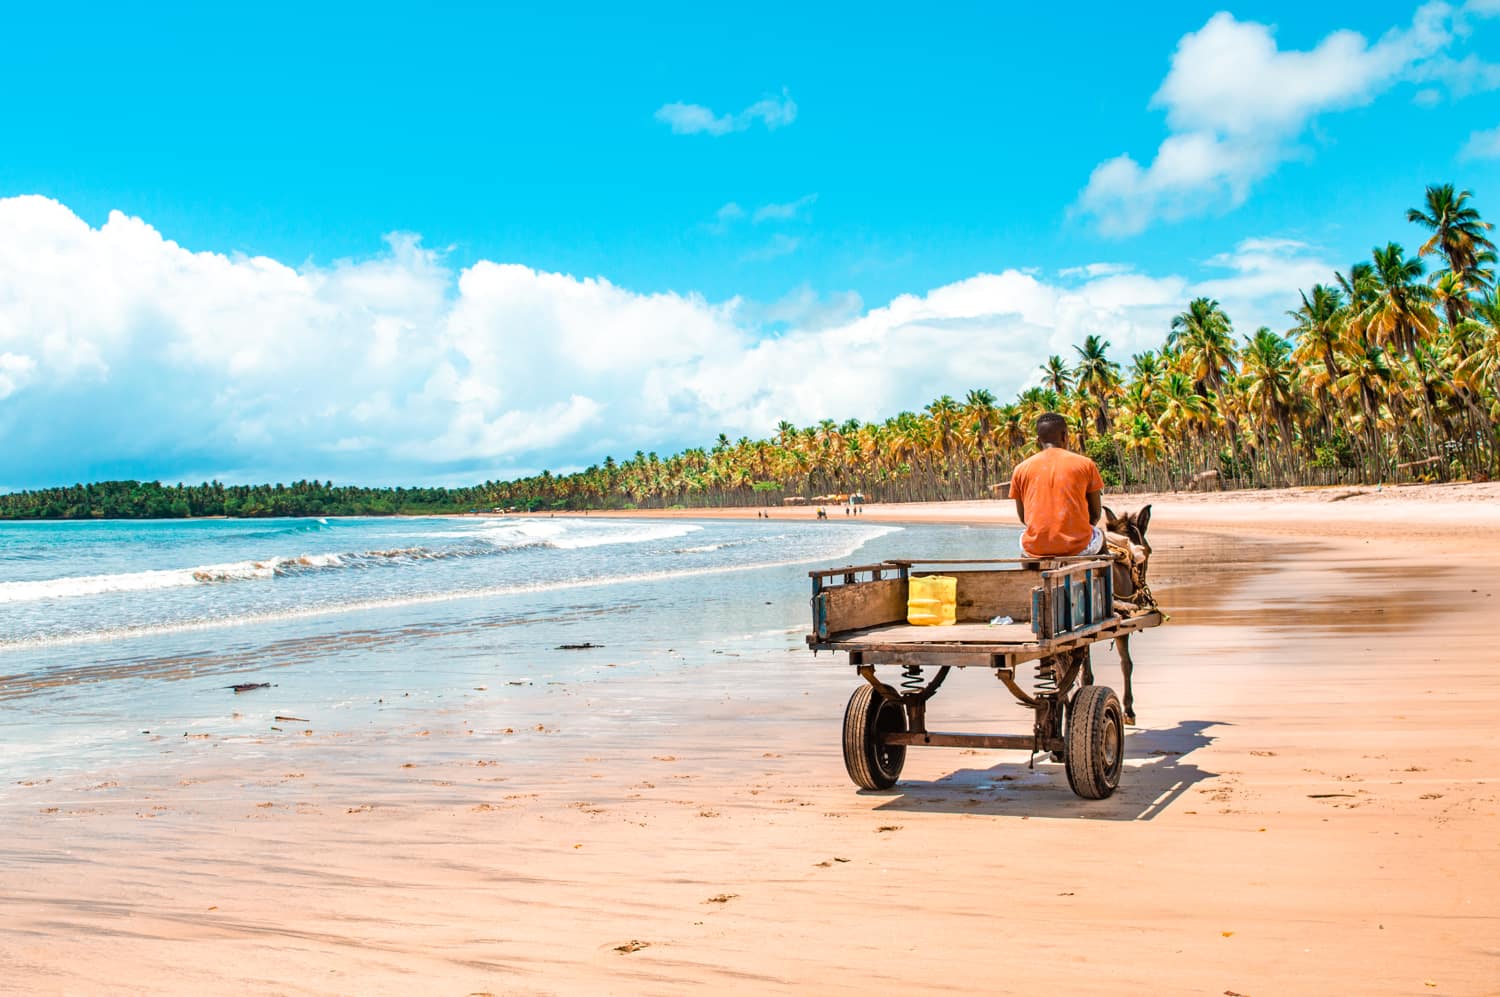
1059 496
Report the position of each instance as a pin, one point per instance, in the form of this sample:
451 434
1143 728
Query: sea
112 630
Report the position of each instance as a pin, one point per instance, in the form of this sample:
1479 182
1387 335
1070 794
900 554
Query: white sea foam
638 534
563 534
162 578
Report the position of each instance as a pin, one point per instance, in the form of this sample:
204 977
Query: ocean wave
564 534
164 578
508 539
570 540
726 544
860 538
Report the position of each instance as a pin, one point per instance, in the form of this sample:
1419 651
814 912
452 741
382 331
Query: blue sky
760 186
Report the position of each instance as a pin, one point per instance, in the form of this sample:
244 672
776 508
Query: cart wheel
872 765
1096 742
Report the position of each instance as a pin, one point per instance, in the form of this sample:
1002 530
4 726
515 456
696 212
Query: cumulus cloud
1236 103
693 119
1262 278
125 354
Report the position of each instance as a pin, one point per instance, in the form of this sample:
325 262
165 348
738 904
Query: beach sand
1311 805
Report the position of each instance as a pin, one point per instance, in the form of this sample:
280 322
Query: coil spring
1046 678
911 679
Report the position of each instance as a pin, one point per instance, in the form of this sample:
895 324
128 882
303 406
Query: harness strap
1143 600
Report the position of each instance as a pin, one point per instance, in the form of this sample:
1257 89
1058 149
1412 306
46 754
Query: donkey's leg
1122 645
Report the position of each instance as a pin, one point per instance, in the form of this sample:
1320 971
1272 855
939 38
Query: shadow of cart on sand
1158 771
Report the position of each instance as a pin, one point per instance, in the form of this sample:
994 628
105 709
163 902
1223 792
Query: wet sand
1311 805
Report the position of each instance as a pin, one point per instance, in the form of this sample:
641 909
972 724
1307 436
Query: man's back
1054 486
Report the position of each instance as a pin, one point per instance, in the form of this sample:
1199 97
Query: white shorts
1094 546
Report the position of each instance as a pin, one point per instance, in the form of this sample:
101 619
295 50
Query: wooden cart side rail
1030 561
853 569
1019 651
1073 595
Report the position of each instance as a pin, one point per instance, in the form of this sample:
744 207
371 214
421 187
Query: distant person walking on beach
1059 496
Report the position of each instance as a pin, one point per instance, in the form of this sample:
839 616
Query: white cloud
784 212
1263 280
1236 103
1462 77
15 371
1096 270
725 218
122 353
1482 145
692 119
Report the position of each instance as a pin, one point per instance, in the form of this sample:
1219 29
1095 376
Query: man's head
1052 428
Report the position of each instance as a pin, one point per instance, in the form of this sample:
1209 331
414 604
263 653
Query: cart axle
937 739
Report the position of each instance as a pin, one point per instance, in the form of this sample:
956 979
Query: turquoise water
111 630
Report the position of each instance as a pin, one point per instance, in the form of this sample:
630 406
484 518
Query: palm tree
1399 314
1365 378
1098 376
979 409
1205 338
1056 376
1269 384
1146 370
1458 233
1320 329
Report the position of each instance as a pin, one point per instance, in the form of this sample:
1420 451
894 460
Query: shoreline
1439 514
1304 810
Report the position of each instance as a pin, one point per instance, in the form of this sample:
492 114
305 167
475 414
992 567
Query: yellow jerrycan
932 601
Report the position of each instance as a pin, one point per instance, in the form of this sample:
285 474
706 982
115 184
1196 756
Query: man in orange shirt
1059 496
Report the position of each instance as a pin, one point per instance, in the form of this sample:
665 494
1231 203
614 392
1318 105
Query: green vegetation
1387 365
153 500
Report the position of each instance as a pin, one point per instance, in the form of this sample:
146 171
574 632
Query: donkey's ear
1109 515
1143 519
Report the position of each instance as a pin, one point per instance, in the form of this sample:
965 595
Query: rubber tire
1096 742
872 765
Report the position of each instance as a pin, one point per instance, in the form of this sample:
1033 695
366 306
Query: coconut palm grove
1389 371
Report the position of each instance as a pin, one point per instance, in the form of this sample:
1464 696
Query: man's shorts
1094 546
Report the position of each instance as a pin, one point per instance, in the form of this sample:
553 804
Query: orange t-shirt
1054 486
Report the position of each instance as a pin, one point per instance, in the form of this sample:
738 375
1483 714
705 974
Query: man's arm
1021 511
1096 506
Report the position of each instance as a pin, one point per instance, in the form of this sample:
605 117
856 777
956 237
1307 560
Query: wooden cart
1058 607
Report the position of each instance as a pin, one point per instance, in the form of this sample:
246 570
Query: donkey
1127 531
